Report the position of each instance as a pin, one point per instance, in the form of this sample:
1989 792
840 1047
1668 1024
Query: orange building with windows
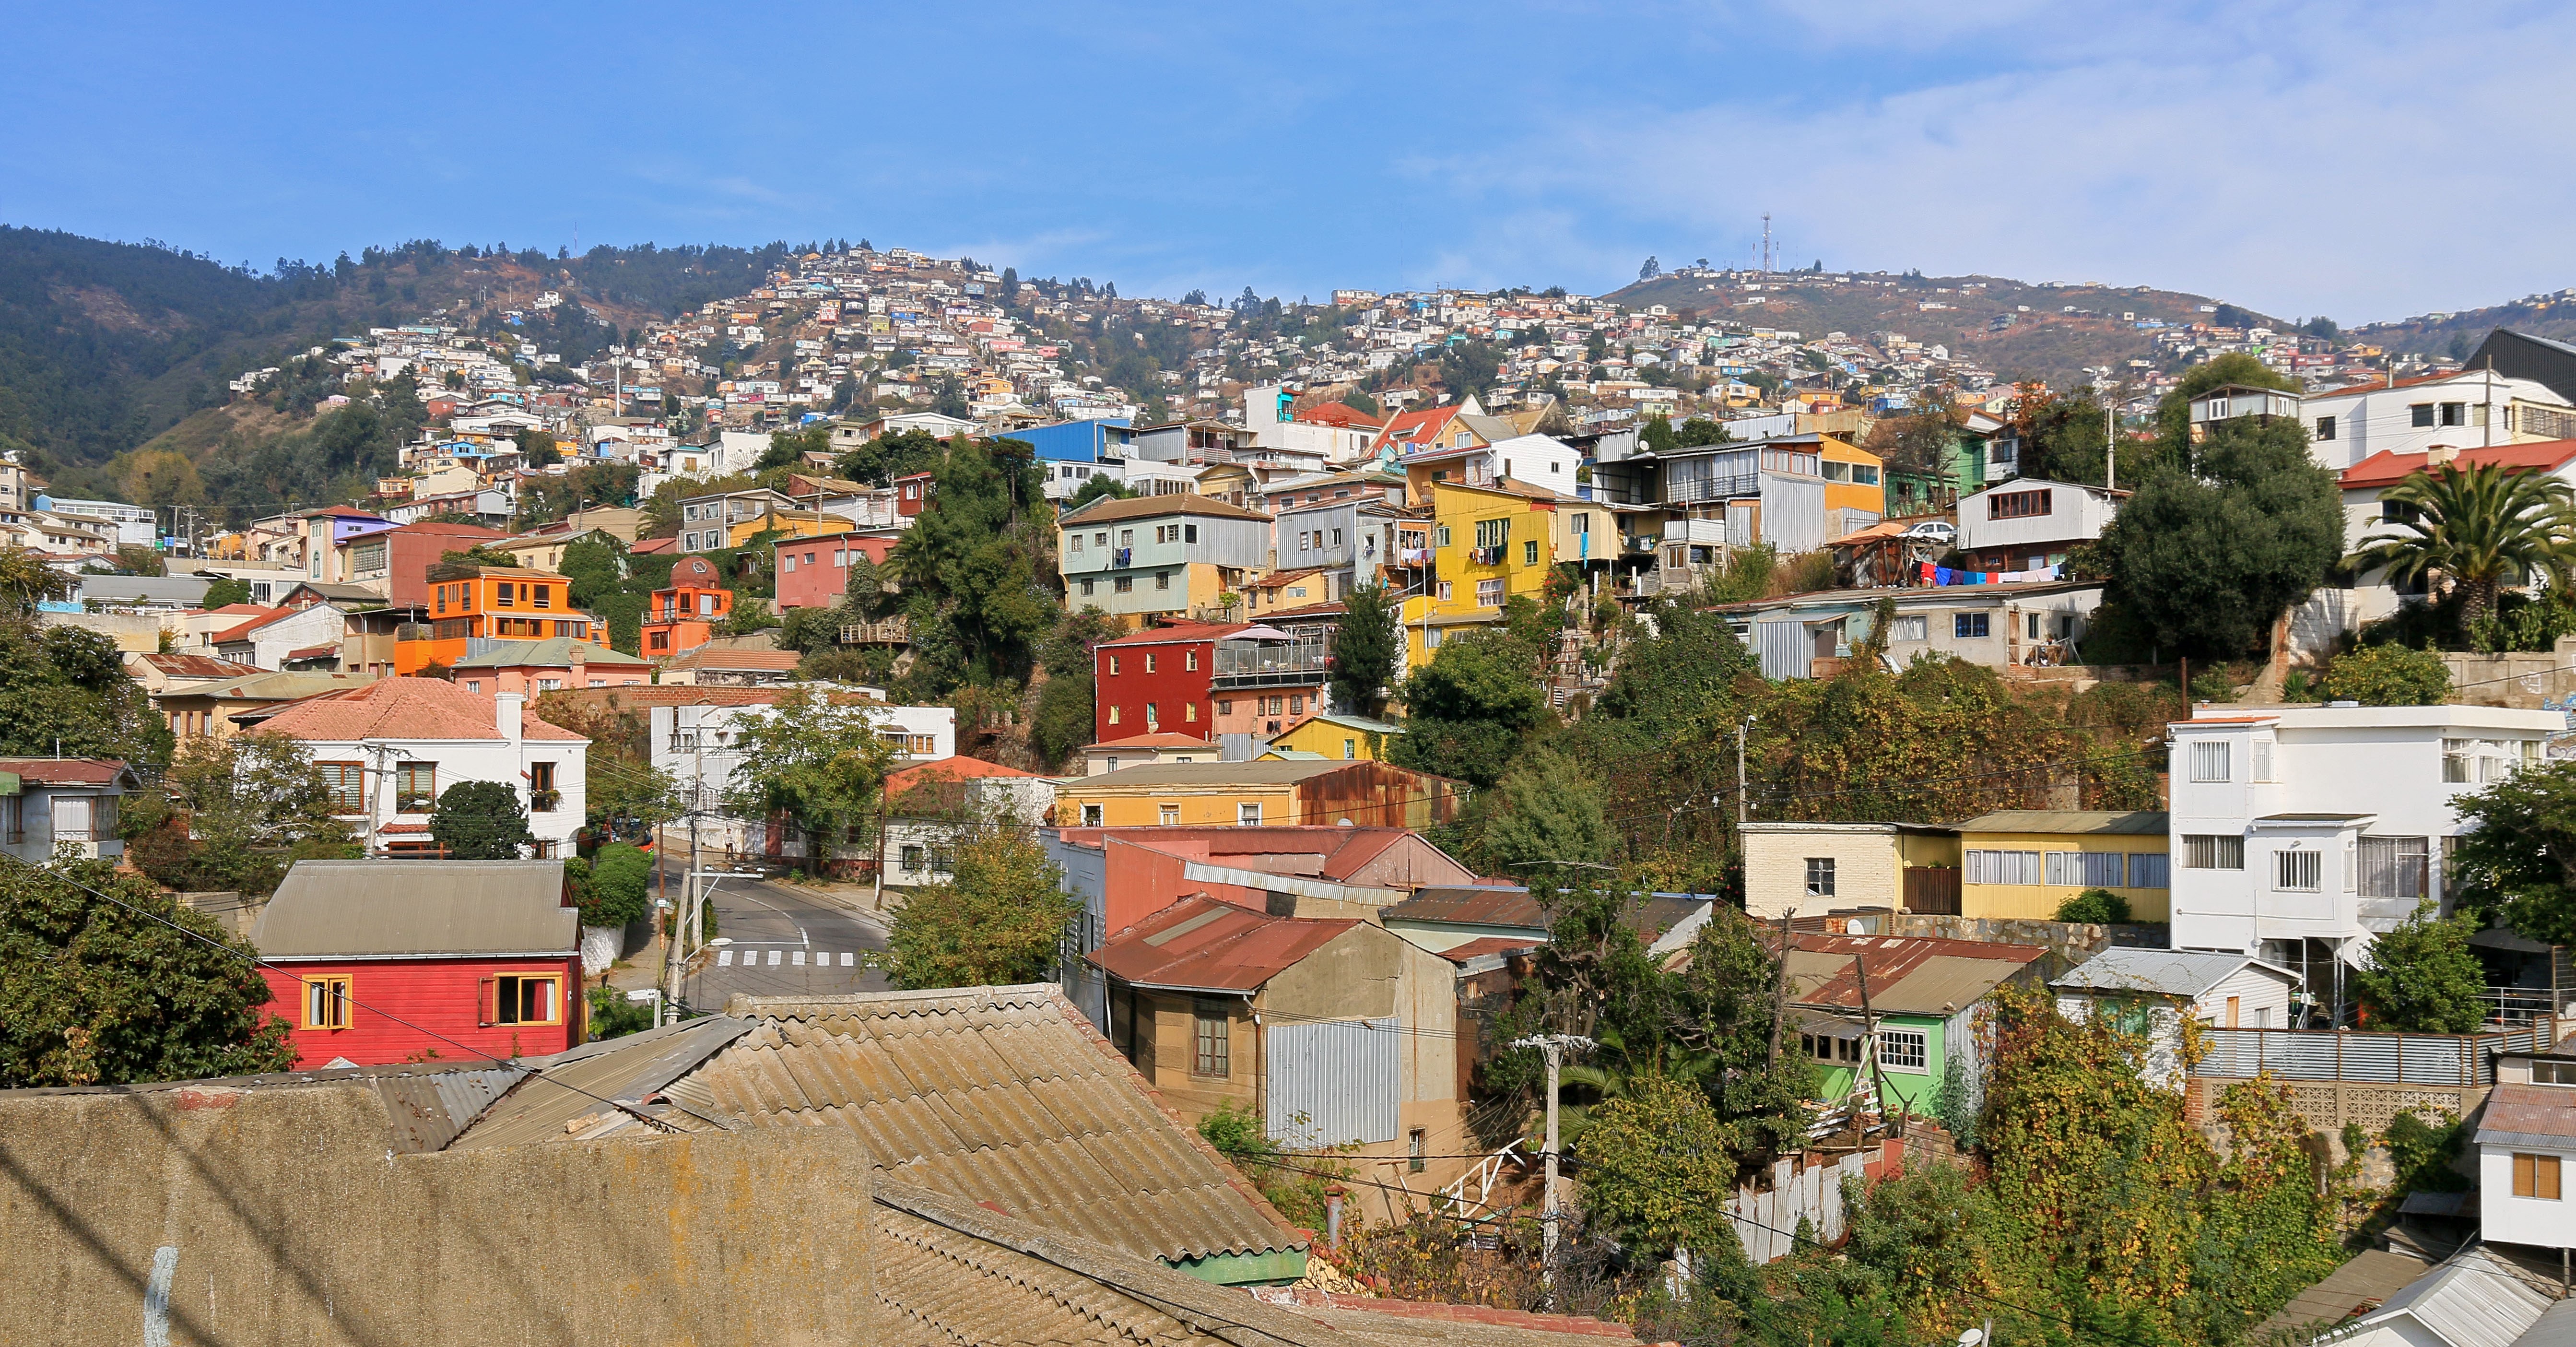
496 603
683 616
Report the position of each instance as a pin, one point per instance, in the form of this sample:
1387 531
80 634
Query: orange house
684 616
496 603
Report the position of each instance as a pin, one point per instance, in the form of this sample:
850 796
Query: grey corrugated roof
358 909
171 589
2475 1299
578 1084
999 1094
2180 973
2117 823
426 1104
553 650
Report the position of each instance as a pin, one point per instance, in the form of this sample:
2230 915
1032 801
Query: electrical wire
259 961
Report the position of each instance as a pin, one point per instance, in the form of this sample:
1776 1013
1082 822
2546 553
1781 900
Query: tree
1699 430
226 592
1101 487
2064 437
999 919
2389 675
1470 709
2422 977
950 399
2477 527
615 888
142 988
137 559
1650 270
1553 819
788 448
480 821
2099 906
972 566
2173 410
1067 704
2209 555
1655 1164
815 763
235 814
1367 644
64 690
26 581
2516 861
1657 434
539 447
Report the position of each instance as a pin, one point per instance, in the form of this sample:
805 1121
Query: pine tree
1365 648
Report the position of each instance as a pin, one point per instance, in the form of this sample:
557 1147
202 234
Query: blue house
1078 441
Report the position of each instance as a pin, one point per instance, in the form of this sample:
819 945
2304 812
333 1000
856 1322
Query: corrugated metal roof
426 1104
1471 905
1000 1094
384 908
1907 976
572 1086
2475 1299
2540 1112
2114 823
2163 972
1205 944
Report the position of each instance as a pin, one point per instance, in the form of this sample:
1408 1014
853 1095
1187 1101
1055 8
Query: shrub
612 1015
2098 906
2389 675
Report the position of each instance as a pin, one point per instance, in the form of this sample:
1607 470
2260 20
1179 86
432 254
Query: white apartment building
699 745
2299 833
2471 409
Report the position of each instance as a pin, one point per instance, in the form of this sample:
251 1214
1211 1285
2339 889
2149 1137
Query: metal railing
2348 1055
1729 486
890 631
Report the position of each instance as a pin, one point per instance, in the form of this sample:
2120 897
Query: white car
1940 531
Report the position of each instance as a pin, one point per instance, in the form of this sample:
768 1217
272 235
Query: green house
1923 995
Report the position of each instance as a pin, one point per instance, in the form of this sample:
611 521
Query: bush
2100 907
615 891
613 1016
1293 1181
2389 675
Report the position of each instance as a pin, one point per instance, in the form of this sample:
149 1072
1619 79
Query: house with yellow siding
1855 479
1304 793
2027 862
1337 736
1488 544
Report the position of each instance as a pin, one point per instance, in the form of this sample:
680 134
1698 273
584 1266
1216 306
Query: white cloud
2302 160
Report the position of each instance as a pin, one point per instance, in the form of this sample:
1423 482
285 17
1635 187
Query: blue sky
2359 160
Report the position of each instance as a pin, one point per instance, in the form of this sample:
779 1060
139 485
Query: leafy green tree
814 762
949 399
1698 431
2097 906
2388 675
234 814
612 1015
64 690
615 889
2173 410
226 592
1102 487
539 447
623 794
974 566
1657 434
1656 1164
2063 435
2210 555
1472 708
137 559
26 581
788 448
94 993
480 821
1067 704
2422 977
1553 819
2517 862
2478 527
1366 645
999 919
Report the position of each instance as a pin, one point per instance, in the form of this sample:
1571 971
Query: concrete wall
215 1215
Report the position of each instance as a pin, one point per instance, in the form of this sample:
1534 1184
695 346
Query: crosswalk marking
797 958
822 958
846 958
724 958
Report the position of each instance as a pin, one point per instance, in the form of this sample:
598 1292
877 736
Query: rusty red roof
1201 944
1178 632
1907 975
946 769
68 771
2388 468
2529 1114
175 665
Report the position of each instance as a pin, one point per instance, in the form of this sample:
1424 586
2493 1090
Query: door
2232 1011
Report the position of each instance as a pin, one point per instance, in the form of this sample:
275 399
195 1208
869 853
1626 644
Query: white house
700 745
265 640
2470 409
50 802
2368 516
390 748
2150 991
2299 833
2026 524
2526 1142
934 807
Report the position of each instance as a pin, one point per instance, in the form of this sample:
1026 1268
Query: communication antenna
1766 243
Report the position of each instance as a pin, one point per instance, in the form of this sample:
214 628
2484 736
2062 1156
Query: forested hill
104 345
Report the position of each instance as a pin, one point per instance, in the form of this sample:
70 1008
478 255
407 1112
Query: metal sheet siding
1785 648
1793 512
1333 1083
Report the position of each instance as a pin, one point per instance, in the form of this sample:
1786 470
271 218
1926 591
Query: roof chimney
2440 454
580 664
507 709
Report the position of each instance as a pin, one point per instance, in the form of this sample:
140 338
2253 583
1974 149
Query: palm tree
2476 526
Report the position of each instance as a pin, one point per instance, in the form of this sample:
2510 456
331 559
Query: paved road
782 943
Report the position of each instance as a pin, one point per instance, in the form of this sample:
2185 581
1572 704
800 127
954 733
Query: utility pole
1554 1045
1743 800
2110 442
1780 986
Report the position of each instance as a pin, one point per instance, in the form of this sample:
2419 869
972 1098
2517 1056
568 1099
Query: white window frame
1906 1050
2211 760
2298 869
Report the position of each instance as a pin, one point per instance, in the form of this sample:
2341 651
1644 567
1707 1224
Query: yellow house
1855 479
1488 544
792 523
2026 862
1272 794
1339 737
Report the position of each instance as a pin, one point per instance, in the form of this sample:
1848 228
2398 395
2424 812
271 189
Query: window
1211 1041
2209 760
1529 552
1113 665
1162 579
415 787
1190 713
2298 869
1149 661
2455 413
526 1000
1168 815
1417 1149
2395 867
1113 714
1125 584
543 798
1247 815
1493 532
1189 533
1126 537
2088 869
2325 428
1820 876
2001 867
348 782
2420 414
326 1003
2262 760
1225 706
2535 1176
2018 505
1100 540
912 856
1086 588
544 595
2553 1073
2150 870
1350 750
505 595
1091 816
1489 593
1908 629
1190 659
1903 1050
2208 851
1152 714
2455 759
1968 626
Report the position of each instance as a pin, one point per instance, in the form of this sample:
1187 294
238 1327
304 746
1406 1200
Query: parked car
1941 531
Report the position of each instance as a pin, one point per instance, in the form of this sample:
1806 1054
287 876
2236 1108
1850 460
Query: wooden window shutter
487 998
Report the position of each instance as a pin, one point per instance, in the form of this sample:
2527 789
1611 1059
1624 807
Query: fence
2367 1058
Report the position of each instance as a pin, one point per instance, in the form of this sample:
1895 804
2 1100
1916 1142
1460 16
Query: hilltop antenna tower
1766 243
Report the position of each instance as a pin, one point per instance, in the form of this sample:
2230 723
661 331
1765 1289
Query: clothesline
1944 575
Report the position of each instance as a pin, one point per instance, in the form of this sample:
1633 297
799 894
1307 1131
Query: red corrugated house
373 962
1204 679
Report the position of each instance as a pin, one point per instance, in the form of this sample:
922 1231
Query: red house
1205 679
912 494
381 961
815 572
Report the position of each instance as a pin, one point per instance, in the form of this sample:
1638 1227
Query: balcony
1729 486
1251 665
544 801
891 631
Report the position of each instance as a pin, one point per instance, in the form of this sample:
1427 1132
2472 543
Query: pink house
815 572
